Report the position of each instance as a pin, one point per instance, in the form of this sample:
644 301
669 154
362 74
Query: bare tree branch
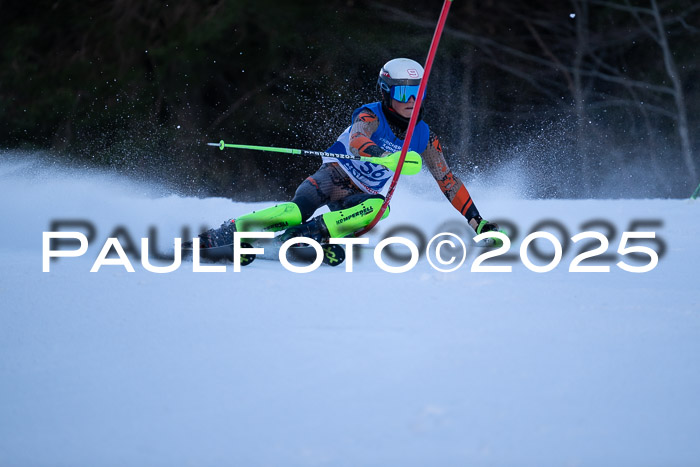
401 16
634 12
678 95
626 8
559 66
635 104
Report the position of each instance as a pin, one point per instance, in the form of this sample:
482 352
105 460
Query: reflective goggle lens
404 93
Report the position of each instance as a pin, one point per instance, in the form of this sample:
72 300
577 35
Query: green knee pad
346 221
272 219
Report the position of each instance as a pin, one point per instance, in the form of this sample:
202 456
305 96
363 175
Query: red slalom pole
414 116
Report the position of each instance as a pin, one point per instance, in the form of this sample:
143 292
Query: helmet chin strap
386 99
394 118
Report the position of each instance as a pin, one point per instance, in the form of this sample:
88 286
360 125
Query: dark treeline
579 97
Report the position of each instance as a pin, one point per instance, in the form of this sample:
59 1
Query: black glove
484 225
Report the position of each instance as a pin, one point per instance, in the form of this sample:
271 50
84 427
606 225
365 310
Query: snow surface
268 367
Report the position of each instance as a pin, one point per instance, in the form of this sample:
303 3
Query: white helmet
399 79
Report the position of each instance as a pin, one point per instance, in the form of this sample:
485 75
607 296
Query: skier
350 188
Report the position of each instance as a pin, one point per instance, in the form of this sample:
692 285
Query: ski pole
696 193
411 165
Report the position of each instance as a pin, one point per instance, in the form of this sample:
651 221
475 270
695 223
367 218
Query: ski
333 254
218 253
488 243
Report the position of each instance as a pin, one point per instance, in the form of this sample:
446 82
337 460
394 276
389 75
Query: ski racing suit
352 189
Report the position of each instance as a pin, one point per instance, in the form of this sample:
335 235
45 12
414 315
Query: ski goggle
403 93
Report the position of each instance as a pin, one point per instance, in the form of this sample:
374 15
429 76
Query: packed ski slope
269 367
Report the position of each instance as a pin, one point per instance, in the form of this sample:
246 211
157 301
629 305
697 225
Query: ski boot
315 229
213 238
217 244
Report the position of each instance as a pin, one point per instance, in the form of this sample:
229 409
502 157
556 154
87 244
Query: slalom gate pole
413 161
695 193
414 116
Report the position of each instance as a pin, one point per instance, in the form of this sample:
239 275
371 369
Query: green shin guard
272 219
346 221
